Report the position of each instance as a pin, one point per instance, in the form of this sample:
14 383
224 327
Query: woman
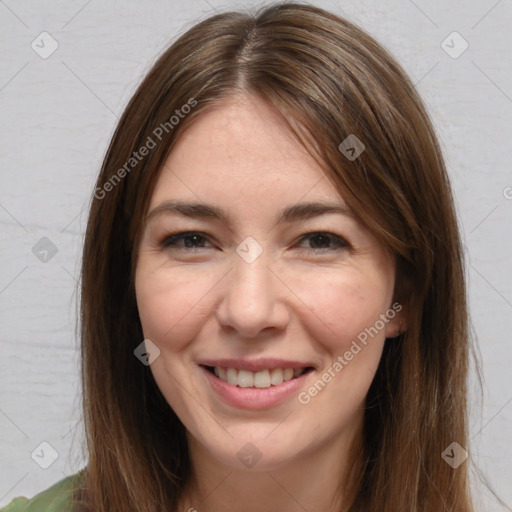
273 299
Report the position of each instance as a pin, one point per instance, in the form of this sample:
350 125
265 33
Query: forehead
239 151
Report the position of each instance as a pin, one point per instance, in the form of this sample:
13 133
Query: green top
57 498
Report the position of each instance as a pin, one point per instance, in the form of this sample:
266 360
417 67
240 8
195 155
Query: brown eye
185 240
323 242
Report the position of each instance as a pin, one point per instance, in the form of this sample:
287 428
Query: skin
301 299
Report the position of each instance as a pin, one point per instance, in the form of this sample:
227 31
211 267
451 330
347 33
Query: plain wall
58 114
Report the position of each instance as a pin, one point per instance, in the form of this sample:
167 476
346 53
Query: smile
261 389
261 379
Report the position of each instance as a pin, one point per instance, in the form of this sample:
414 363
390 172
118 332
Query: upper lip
254 365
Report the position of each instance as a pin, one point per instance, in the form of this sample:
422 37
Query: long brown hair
330 80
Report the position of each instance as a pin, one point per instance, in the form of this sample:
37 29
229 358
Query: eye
324 242
185 240
318 242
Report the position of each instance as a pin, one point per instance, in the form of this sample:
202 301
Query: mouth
250 383
262 379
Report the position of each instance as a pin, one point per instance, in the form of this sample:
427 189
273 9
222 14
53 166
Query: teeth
232 376
261 379
276 376
245 379
298 371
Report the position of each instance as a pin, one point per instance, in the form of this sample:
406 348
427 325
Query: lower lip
254 398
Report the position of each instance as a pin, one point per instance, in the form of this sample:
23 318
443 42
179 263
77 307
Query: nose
252 300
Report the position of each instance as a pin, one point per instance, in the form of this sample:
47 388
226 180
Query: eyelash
170 242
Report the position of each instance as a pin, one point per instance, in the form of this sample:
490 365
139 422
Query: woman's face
269 308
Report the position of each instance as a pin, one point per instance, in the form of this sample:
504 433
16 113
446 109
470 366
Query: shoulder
57 498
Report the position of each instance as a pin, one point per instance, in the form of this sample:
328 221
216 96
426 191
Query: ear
397 321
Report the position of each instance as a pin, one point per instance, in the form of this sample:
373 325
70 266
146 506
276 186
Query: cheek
339 306
171 306
342 312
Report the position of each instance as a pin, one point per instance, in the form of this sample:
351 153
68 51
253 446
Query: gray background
58 114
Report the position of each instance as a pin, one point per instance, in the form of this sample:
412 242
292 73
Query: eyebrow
299 211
